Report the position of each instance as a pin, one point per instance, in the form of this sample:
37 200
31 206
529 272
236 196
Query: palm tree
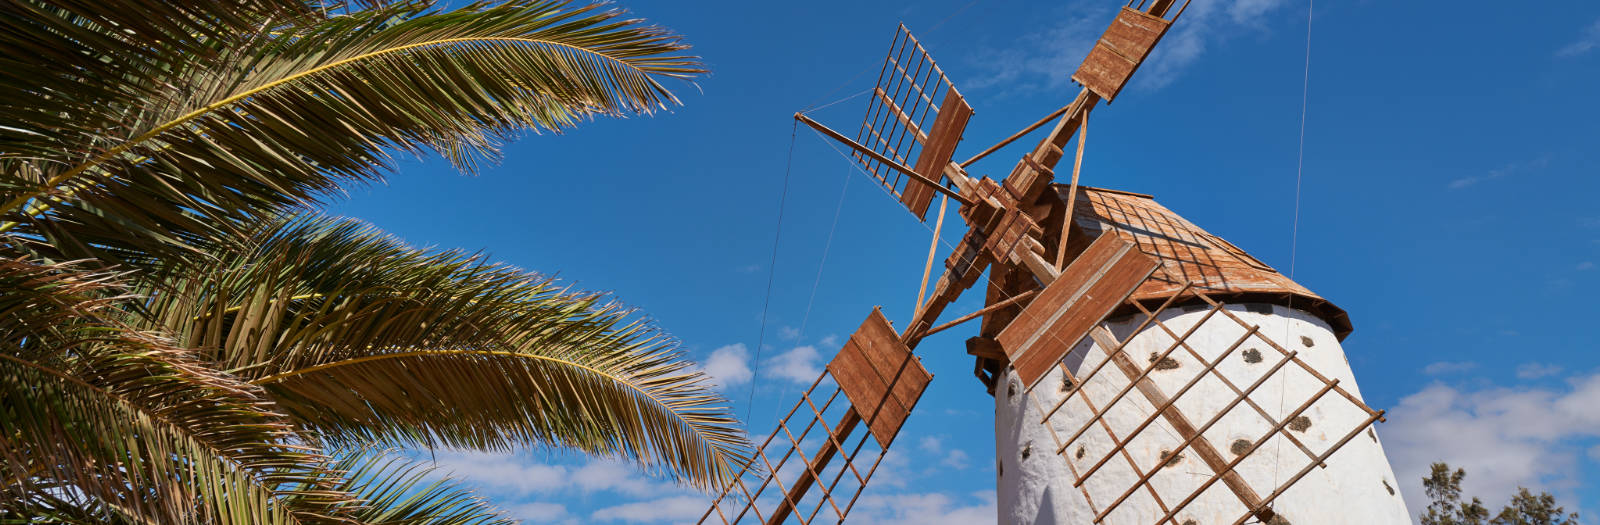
189 341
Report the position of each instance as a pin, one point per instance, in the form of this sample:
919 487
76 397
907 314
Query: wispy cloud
1587 41
673 509
789 333
926 508
502 473
1448 367
1503 437
518 475
1041 59
1046 58
541 512
1537 370
1585 266
1503 171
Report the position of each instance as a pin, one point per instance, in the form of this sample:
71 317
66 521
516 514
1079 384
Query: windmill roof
1189 254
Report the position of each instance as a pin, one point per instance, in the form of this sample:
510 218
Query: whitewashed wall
1035 484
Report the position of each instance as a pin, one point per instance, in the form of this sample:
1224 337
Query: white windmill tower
1144 371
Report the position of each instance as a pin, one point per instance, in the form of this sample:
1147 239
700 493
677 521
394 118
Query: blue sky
1448 203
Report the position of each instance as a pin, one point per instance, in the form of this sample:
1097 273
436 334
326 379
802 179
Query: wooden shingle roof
1189 254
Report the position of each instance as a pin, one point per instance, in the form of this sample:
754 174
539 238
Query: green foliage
1528 509
1444 488
187 342
1446 508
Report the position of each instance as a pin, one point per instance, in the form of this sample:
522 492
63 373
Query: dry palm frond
364 339
275 121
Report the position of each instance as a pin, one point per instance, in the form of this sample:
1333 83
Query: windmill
1144 371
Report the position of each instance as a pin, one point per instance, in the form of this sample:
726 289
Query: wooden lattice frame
878 377
915 117
1256 506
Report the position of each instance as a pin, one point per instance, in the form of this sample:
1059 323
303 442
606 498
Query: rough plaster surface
1355 488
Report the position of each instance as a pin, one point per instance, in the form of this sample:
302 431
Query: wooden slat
937 152
1119 52
880 376
905 120
830 447
1090 288
1181 424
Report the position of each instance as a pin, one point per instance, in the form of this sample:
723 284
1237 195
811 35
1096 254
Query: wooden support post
981 311
1036 125
1072 195
841 432
933 248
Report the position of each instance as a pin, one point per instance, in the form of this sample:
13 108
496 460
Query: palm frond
119 422
278 121
389 488
366 340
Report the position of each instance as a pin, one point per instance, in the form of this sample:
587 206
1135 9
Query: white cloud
1586 42
789 333
1537 370
673 509
728 366
931 444
1503 171
1448 367
1503 437
798 365
830 341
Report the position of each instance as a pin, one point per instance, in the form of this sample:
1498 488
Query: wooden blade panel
880 376
1119 52
915 117
1089 289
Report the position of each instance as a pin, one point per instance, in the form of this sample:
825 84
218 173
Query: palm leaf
366 340
278 121
118 422
392 489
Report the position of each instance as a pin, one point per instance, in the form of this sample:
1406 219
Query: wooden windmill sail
1144 371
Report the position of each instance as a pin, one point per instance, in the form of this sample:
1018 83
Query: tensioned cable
1294 232
772 271
826 247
